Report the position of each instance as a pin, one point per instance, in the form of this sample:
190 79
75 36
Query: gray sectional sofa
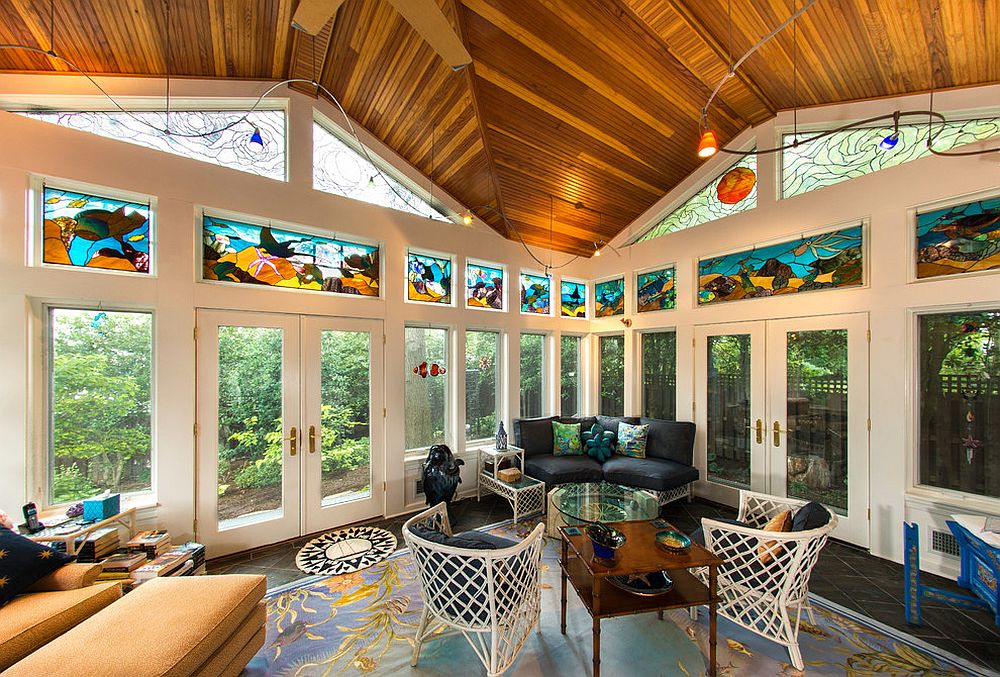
667 470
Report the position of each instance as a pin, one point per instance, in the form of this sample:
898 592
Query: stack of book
197 554
120 566
97 545
173 563
151 543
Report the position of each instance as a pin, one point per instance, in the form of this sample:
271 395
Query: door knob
312 439
778 432
293 441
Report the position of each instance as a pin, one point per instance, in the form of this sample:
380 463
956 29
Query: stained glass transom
230 148
536 294
484 286
855 152
250 254
705 205
574 299
428 278
91 231
341 170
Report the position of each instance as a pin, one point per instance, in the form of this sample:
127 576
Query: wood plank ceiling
567 101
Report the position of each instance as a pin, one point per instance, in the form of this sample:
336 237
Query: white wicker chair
761 596
492 597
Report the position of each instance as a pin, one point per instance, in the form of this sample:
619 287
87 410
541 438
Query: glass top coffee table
600 502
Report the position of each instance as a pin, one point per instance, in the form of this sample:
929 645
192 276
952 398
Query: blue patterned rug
363 623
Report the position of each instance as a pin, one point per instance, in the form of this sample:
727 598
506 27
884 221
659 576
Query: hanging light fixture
467 219
597 250
890 141
708 145
256 138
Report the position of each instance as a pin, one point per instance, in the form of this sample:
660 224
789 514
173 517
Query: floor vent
419 491
944 542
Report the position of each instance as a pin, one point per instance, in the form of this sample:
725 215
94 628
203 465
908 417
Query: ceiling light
257 138
889 142
467 219
709 144
597 250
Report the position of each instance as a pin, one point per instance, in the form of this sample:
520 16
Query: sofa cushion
671 440
631 440
648 473
563 469
534 435
128 637
244 635
598 443
586 422
566 439
34 619
22 562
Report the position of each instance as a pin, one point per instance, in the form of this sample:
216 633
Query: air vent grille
419 491
944 542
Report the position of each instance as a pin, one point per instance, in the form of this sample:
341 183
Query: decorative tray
647 585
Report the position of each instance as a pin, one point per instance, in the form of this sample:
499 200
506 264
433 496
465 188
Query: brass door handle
293 441
312 439
778 432
759 429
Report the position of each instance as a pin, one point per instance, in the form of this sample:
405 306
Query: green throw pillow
598 443
566 439
632 440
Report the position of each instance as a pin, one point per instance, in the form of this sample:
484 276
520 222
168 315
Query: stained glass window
428 278
230 147
484 286
855 152
341 170
963 238
92 231
234 251
609 297
826 261
574 299
655 290
706 205
536 294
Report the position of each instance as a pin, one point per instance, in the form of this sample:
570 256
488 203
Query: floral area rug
363 623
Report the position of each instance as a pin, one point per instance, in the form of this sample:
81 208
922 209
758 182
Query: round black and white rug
345 551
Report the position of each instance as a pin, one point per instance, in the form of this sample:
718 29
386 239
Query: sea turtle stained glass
609 297
483 286
855 152
232 146
825 261
536 294
246 253
92 231
655 290
428 278
706 205
963 238
574 299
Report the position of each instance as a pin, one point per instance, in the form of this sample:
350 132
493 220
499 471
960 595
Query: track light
890 141
597 250
467 219
257 138
709 144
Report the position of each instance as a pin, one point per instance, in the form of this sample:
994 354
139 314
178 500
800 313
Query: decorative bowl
673 541
605 540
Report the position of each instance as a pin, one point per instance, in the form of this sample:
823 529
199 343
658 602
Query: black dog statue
441 474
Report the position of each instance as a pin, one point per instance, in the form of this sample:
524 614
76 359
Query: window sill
144 502
948 501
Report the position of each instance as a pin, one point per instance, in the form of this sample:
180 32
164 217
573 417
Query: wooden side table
640 554
58 534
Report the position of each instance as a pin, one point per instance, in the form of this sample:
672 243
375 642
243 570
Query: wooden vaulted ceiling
567 101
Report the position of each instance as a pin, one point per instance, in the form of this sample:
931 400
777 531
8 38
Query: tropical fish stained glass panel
655 290
574 299
428 278
826 261
964 238
483 286
706 205
609 297
90 231
536 294
250 254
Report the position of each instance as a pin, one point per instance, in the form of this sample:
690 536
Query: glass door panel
342 400
659 375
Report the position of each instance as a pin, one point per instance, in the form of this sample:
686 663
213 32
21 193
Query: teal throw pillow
599 443
566 439
632 440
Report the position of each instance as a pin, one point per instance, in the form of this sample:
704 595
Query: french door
782 408
290 426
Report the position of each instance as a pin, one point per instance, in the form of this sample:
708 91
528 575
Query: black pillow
22 562
470 540
810 516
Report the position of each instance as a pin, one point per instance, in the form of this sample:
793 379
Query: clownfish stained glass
250 254
92 231
428 278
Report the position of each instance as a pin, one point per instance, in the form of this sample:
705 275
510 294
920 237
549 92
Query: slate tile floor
845 574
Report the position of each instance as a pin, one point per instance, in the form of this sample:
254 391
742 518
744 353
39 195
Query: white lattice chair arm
435 517
756 509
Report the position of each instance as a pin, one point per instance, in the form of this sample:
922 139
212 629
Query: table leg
659 614
562 599
712 612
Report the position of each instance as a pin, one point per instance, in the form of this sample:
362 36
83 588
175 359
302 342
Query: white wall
884 199
181 187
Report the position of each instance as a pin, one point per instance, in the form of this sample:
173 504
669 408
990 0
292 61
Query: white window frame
451 394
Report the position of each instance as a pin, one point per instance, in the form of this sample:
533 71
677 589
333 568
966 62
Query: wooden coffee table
640 554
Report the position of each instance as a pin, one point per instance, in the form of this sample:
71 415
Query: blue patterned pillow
632 440
566 439
22 562
599 443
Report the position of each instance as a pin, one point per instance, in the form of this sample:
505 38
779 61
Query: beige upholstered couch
70 625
